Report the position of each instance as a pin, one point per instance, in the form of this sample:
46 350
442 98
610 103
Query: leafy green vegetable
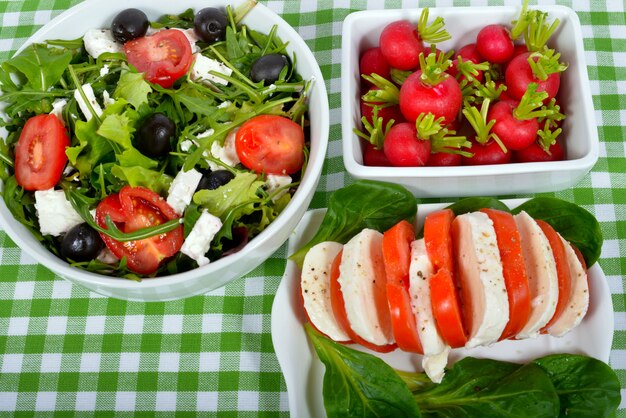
183 20
133 88
116 128
359 384
363 204
586 387
41 66
144 177
574 223
471 204
240 190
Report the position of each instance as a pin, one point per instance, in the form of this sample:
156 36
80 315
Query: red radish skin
519 75
387 113
490 153
373 62
401 45
468 53
442 100
373 157
515 134
494 44
404 149
444 159
534 153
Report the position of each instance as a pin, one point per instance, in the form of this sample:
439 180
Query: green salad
153 147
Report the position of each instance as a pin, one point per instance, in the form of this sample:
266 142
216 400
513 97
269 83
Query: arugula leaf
363 204
41 66
21 205
574 223
586 387
140 176
133 88
240 190
183 20
359 384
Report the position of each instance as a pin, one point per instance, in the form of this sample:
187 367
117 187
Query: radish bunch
500 93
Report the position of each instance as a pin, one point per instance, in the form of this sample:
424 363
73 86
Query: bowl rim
302 195
351 143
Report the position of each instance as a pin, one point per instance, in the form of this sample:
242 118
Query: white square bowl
361 30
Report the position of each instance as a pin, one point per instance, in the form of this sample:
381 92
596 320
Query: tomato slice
514 270
438 240
134 208
339 309
164 57
562 270
271 144
397 259
446 309
40 153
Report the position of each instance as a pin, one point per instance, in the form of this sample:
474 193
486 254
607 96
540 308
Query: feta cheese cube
199 239
275 182
91 97
227 153
182 189
106 256
57 109
56 214
201 67
104 70
185 146
191 36
106 98
99 41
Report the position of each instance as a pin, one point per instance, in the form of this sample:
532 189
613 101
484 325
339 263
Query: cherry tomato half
164 57
40 153
271 144
134 208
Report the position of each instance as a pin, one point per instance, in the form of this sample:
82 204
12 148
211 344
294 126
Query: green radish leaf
359 384
586 387
363 204
574 223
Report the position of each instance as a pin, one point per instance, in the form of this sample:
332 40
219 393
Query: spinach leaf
360 384
363 204
41 66
472 204
574 223
586 387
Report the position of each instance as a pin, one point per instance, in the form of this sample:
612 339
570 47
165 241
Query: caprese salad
475 277
494 100
151 148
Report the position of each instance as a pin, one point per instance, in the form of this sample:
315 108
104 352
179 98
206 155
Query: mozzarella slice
315 284
542 275
363 285
435 366
578 302
481 279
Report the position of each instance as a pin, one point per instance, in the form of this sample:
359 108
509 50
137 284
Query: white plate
303 370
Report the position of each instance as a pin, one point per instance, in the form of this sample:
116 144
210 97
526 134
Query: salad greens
363 204
103 158
360 384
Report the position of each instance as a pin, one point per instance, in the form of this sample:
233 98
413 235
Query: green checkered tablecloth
64 350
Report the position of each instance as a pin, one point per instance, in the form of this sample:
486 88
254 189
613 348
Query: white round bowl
99 13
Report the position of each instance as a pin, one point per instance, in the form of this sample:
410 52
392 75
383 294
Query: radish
431 90
403 148
375 128
517 125
401 43
373 62
494 43
542 68
444 159
465 57
384 95
386 112
535 153
486 147
374 157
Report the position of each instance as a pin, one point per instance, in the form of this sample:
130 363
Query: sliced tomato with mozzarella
396 246
435 348
562 270
438 241
542 275
578 302
315 290
513 269
483 292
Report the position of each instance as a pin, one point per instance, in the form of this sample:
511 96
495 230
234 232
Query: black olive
215 179
129 24
154 135
81 243
210 25
268 68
